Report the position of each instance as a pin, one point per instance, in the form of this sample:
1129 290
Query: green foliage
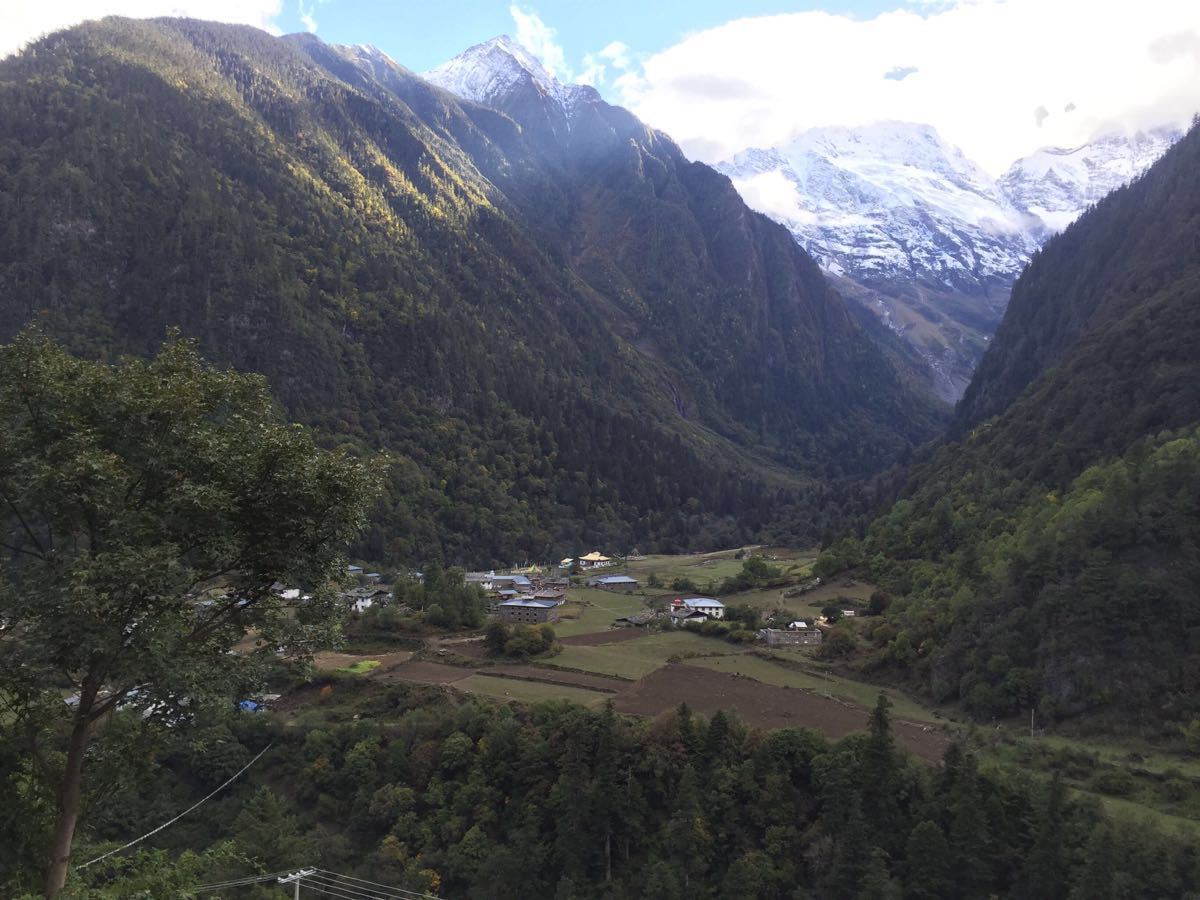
362 667
846 554
1191 737
148 508
839 641
747 616
266 832
506 802
756 572
148 874
1067 605
518 641
1047 557
444 597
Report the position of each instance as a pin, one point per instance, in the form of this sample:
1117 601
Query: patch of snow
492 72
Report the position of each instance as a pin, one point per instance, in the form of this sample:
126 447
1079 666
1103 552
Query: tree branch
25 525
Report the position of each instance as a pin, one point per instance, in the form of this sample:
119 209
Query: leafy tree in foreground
146 508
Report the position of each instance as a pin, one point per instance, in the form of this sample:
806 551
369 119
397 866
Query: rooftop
530 602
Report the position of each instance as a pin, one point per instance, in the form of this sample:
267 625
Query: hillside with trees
464 798
1046 560
587 341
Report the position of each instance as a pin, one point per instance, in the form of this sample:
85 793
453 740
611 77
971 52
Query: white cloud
772 193
975 70
306 15
596 65
541 40
23 21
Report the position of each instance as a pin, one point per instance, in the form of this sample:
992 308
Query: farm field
596 638
600 683
753 666
765 706
637 658
330 660
635 670
527 691
598 614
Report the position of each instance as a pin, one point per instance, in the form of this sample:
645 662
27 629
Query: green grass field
1118 752
806 606
527 691
702 568
362 667
769 672
598 615
1131 810
639 657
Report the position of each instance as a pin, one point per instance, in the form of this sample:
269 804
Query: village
747 629
533 595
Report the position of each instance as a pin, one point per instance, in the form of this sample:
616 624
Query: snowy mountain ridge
894 201
887 201
493 72
1055 184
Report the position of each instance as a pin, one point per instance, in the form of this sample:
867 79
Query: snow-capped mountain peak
1056 184
495 71
885 202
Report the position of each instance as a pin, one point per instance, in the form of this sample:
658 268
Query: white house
485 580
594 560
714 609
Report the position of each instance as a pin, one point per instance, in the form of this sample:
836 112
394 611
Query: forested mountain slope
1099 285
565 334
1049 557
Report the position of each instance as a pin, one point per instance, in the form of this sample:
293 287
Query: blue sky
420 35
997 78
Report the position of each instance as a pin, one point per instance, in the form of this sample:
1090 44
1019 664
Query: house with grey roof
527 611
613 583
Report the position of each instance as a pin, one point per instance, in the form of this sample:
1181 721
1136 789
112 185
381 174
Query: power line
238 882
315 881
236 775
333 884
310 885
374 893
345 883
385 887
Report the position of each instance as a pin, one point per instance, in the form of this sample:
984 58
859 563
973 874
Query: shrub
520 641
1115 783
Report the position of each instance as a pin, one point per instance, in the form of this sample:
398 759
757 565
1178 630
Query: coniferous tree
927 858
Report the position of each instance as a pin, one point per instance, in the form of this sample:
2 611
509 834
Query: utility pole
1031 721
294 878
